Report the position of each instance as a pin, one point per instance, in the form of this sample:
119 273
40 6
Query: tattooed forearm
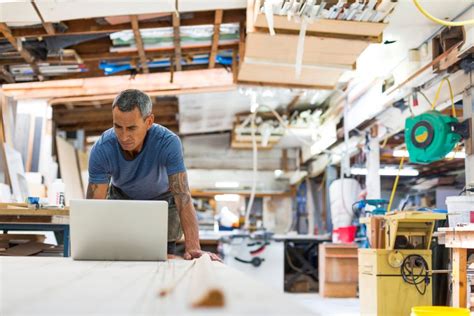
96 191
180 189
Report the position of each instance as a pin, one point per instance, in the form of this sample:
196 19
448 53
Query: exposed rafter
139 43
177 41
16 43
90 26
5 75
215 38
48 27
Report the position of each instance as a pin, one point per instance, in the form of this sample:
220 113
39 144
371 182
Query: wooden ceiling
87 55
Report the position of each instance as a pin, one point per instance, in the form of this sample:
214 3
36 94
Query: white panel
206 179
17 13
193 5
210 112
61 10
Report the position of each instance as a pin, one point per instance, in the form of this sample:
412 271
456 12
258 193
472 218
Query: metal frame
41 227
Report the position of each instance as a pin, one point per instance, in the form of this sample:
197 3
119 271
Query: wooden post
468 112
235 67
177 41
215 38
459 277
139 43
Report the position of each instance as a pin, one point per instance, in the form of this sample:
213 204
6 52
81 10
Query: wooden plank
205 291
317 50
459 277
16 43
83 159
90 26
136 283
235 67
33 212
177 41
139 43
69 167
26 249
32 219
48 26
5 75
368 31
282 75
241 43
191 81
22 237
56 101
215 38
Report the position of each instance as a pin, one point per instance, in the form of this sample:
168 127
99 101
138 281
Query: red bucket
346 234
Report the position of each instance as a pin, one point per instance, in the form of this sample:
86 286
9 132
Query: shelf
353 30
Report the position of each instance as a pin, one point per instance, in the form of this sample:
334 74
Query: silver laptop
119 230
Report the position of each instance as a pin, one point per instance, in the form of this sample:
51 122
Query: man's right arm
97 191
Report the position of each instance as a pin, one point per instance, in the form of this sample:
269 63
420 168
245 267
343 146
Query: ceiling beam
48 26
241 43
16 43
190 81
177 41
5 75
151 53
90 26
215 38
139 43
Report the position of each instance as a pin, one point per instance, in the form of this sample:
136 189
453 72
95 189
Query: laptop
125 230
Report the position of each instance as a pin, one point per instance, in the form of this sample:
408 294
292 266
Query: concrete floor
326 306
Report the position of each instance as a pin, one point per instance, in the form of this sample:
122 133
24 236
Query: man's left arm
179 187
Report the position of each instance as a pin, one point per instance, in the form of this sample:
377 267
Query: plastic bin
459 209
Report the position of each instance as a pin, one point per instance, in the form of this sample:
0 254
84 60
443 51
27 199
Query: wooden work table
61 286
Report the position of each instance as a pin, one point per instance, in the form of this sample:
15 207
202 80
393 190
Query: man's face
131 128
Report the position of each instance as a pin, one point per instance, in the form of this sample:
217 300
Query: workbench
61 286
17 217
460 239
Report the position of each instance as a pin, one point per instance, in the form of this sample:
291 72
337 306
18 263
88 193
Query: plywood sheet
83 158
69 167
372 31
281 48
38 135
16 171
277 74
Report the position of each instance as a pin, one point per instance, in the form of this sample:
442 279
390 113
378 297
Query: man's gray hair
130 99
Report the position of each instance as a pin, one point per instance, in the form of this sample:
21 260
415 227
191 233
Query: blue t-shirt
146 176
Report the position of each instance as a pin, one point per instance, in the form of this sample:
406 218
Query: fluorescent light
227 184
456 155
227 197
404 153
400 153
278 173
387 171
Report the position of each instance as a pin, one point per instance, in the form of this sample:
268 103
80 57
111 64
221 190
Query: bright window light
227 184
404 153
400 153
227 197
387 171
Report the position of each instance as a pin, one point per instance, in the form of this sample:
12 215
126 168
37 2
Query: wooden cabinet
338 275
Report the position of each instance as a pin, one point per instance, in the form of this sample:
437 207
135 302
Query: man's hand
196 253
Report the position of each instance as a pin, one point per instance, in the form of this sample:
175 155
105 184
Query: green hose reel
432 135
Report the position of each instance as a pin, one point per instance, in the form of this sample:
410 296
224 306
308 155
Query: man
140 160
